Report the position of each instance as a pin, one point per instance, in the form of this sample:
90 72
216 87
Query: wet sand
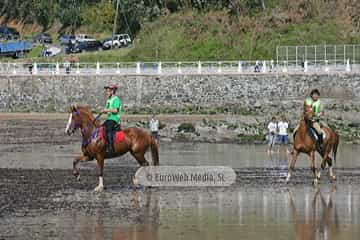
43 204
40 199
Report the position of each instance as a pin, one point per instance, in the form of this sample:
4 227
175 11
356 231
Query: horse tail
154 151
336 144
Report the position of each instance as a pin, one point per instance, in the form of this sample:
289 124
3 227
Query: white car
119 40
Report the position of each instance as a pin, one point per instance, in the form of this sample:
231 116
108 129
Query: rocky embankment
233 124
245 125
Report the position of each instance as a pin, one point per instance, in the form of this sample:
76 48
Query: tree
44 12
69 13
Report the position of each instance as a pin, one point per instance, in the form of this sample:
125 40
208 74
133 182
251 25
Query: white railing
178 68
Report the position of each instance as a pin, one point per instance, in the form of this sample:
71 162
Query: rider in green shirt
113 110
316 105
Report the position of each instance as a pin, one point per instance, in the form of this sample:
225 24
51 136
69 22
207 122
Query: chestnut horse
305 143
136 141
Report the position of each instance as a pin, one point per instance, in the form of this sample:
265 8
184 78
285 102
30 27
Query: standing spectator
30 66
72 60
272 66
154 127
272 131
257 67
67 66
283 133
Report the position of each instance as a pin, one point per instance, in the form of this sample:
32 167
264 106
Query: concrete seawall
56 93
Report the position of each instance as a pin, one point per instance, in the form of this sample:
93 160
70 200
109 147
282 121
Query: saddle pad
119 136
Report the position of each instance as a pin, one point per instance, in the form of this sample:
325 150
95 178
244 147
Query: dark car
67 39
84 46
106 46
42 38
8 33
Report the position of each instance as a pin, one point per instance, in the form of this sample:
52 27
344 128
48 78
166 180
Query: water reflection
301 212
36 156
278 160
142 223
323 220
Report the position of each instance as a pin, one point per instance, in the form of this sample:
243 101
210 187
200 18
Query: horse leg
325 156
140 157
327 160
313 168
331 171
100 162
76 161
292 164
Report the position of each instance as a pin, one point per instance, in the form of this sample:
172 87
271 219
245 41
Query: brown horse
136 141
304 142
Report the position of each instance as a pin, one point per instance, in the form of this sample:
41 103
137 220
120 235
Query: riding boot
110 145
321 140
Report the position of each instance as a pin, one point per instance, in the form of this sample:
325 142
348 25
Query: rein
91 123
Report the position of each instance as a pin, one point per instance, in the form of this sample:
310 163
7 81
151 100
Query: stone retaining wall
56 93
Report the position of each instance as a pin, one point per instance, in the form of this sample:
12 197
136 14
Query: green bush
186 127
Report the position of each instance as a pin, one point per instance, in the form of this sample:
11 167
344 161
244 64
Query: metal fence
178 68
319 54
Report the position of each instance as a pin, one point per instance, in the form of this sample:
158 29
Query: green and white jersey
316 106
113 103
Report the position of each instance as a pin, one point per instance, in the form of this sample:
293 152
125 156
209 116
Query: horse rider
112 109
314 102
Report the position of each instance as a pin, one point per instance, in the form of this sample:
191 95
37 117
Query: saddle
315 135
119 135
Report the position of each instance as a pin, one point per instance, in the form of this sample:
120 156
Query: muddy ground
34 193
23 191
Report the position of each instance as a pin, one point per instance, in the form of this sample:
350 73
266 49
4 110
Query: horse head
308 112
75 120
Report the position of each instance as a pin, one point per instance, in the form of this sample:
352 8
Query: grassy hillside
213 36
232 30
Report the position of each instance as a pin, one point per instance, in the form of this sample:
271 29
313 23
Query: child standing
272 131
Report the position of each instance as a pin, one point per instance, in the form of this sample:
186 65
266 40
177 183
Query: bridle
71 126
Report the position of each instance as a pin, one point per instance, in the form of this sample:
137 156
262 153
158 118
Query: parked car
8 33
67 39
84 46
42 38
84 38
119 40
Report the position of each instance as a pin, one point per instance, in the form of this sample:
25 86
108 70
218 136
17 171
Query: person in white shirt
154 127
272 131
283 126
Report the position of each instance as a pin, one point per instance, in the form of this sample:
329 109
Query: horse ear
73 108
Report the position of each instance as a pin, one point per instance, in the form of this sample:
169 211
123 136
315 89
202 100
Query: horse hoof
99 189
78 178
333 178
135 181
316 181
323 166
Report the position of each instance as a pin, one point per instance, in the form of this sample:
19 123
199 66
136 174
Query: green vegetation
35 52
186 127
180 30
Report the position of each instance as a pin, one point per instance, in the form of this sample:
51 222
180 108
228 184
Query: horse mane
86 111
